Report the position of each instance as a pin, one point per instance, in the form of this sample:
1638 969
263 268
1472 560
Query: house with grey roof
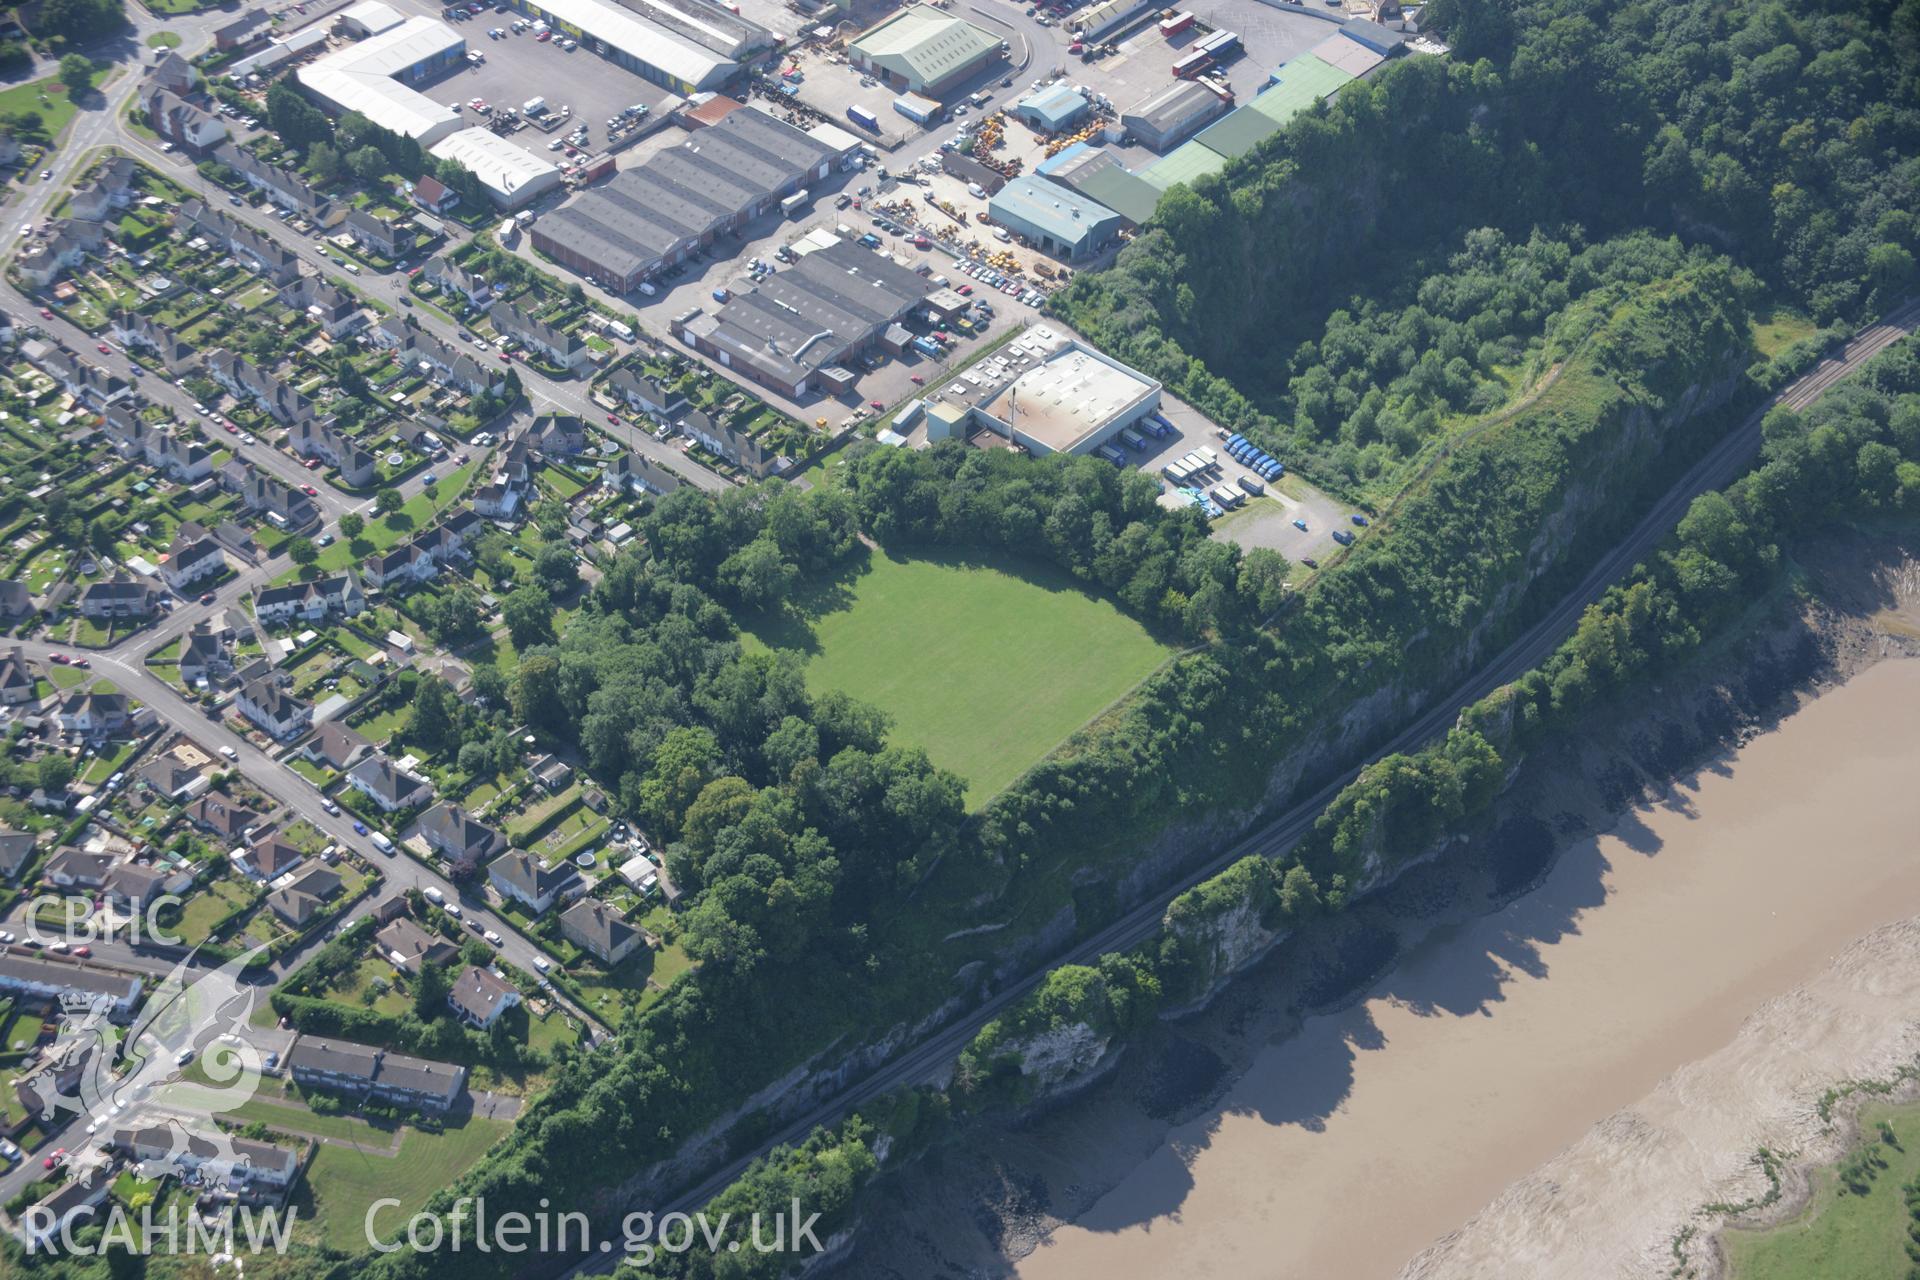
457 835
390 787
272 706
533 882
597 929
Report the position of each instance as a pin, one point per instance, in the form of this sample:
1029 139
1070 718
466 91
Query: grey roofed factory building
655 215
1053 394
1173 113
798 324
1098 175
1053 218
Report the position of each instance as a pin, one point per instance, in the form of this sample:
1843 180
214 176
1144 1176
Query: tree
302 551
457 616
528 613
325 162
536 693
80 21
368 163
555 568
76 72
388 501
436 714
351 525
54 771
431 987
299 123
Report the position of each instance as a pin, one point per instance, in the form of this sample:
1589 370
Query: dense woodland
1610 191
1377 268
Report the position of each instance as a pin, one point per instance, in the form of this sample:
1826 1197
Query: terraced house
249 381
362 1071
283 506
280 184
182 455
444 362
132 329
255 250
117 598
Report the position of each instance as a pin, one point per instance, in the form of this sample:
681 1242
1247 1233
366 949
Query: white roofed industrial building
374 77
651 52
513 174
370 18
1053 394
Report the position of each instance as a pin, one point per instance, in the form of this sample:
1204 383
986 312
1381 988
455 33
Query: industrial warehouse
791 331
687 46
1046 392
651 217
512 174
373 76
922 50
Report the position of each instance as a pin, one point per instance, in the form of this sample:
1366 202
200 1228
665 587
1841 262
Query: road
933 1057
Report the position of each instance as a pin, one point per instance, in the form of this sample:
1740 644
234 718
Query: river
1493 1044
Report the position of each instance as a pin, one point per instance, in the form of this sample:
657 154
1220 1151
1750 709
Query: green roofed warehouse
922 50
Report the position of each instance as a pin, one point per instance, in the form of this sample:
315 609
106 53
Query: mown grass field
345 1181
1842 1235
988 666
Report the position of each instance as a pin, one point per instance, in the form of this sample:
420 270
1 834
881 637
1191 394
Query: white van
381 843
229 753
433 893
646 287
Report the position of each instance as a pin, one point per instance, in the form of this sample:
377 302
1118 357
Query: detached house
390 787
409 948
270 705
598 930
94 716
479 996
203 656
217 814
453 833
304 895
336 746
338 312
636 474
533 882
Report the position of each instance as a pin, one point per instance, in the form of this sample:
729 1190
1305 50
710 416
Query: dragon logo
136 1077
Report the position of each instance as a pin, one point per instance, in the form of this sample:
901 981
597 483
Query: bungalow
389 786
117 597
362 1071
304 894
452 832
271 706
409 948
434 196
336 746
533 882
598 930
132 886
194 557
557 345
77 869
270 858
479 996
17 681
166 777
217 814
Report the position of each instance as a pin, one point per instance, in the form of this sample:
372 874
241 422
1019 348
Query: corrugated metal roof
1128 194
1183 164
925 43
361 78
1065 215
1237 132
1301 83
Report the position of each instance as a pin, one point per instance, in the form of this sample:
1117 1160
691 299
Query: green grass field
988 666
1842 1235
345 1181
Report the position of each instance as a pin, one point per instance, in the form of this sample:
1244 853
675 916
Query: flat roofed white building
1056 396
370 18
651 52
374 77
513 174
